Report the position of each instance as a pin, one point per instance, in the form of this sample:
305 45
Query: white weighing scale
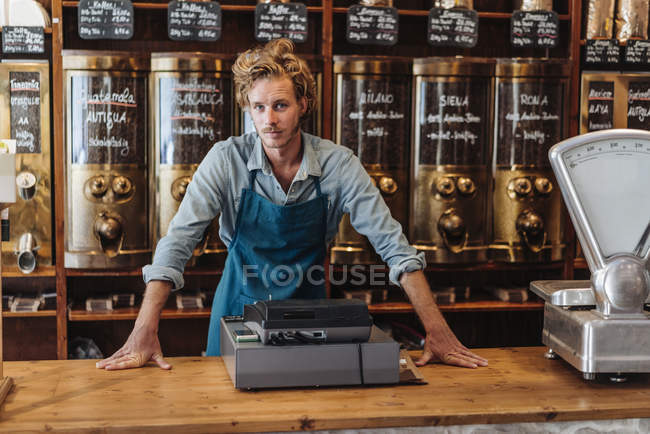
601 326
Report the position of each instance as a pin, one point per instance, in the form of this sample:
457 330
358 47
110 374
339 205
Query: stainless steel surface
603 177
107 222
32 212
192 108
593 344
26 253
550 354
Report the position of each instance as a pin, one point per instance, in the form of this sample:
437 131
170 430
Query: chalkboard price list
105 19
193 20
23 40
281 20
637 52
453 27
602 51
539 29
371 25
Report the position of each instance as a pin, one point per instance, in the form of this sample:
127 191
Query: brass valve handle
179 187
452 229
122 185
466 186
387 185
543 186
109 231
98 186
530 227
445 186
520 186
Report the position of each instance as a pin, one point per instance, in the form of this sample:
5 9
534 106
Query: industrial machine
107 220
191 97
530 116
451 150
25 117
292 343
372 101
601 326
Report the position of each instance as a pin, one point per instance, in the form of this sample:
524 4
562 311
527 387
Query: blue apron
270 256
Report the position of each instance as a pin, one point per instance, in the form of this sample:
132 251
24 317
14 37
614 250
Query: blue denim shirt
218 182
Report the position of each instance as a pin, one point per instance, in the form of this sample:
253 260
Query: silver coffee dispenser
450 175
192 100
107 197
311 125
372 106
25 117
530 116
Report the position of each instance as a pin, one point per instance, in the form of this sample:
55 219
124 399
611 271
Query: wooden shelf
131 313
41 271
463 306
580 264
425 13
39 313
229 8
70 272
46 30
486 266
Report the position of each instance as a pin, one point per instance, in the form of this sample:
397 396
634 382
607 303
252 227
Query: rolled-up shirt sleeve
371 217
203 201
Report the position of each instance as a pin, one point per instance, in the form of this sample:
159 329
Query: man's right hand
141 347
143 344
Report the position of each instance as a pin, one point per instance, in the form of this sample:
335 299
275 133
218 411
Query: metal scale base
592 344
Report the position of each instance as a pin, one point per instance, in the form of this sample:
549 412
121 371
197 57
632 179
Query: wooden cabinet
327 24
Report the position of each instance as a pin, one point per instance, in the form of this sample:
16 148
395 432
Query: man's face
276 112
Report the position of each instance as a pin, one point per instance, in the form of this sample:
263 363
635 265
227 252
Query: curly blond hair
275 59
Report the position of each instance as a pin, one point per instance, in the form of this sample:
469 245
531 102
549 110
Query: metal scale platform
601 326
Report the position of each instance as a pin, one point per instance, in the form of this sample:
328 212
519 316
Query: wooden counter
520 385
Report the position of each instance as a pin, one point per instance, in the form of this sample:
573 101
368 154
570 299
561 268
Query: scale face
605 181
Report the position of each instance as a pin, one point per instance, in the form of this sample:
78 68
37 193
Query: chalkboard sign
452 27
375 120
23 40
454 118
105 19
637 52
25 108
540 29
371 25
108 119
281 20
638 105
193 20
530 119
194 115
600 106
602 51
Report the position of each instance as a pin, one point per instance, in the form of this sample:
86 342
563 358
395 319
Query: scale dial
605 181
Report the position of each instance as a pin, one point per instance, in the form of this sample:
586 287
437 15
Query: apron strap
317 185
252 179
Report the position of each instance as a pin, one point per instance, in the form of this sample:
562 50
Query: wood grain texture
197 396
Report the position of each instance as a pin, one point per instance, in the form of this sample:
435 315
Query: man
281 194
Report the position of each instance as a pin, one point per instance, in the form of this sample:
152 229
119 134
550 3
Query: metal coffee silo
107 183
25 117
192 101
531 106
450 169
372 117
311 125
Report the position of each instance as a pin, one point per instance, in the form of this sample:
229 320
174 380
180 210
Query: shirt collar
308 167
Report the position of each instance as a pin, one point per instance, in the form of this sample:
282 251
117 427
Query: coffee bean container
372 101
450 176
531 109
107 220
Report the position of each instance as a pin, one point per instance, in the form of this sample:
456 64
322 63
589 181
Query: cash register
297 343
602 326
